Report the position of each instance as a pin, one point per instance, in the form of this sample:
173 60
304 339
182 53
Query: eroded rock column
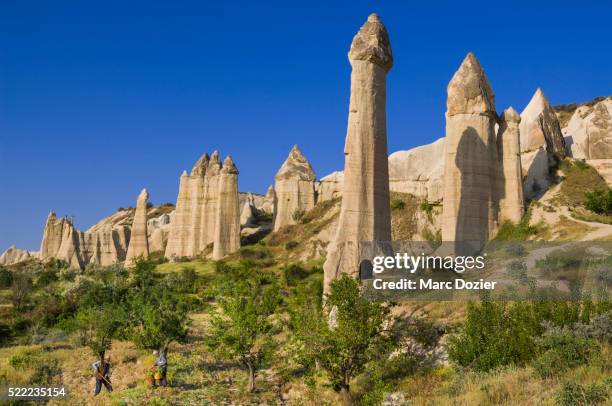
227 222
511 203
365 212
471 165
139 245
294 187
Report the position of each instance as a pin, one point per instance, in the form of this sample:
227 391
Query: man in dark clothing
102 373
161 363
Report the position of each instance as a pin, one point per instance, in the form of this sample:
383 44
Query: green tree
21 289
156 318
345 335
97 326
241 327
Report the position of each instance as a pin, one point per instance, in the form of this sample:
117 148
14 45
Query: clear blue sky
100 99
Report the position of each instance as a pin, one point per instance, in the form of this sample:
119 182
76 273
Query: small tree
156 319
241 329
346 335
97 326
20 289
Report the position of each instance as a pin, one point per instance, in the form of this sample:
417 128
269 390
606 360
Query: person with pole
102 369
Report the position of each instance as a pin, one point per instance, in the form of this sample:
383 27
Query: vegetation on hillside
254 329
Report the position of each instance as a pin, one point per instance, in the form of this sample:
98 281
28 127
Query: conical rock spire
469 91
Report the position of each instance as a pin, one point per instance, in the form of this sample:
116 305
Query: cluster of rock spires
207 210
491 164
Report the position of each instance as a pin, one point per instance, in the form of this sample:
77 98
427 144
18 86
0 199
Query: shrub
298 215
294 273
6 278
291 245
575 394
45 372
599 201
600 328
397 204
560 350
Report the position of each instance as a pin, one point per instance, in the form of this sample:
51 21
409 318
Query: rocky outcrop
107 241
471 163
540 127
139 244
269 201
248 213
330 186
14 255
418 171
194 227
511 204
52 236
294 187
589 131
226 238
365 212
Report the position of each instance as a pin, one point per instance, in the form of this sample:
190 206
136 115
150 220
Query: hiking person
102 369
161 363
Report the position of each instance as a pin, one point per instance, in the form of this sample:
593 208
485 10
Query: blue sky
101 99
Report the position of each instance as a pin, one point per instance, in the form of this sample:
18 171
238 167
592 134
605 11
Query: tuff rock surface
139 243
511 204
471 163
294 187
365 211
226 238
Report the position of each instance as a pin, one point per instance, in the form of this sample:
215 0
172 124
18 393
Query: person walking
102 369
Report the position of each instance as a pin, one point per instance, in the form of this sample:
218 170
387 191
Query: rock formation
139 244
295 188
52 236
211 197
248 213
365 212
471 163
418 171
179 229
192 227
511 204
14 255
589 131
104 243
330 186
269 202
540 127
226 238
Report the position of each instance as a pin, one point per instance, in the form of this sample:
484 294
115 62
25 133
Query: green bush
575 394
397 204
561 350
298 215
291 245
599 201
6 278
294 273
